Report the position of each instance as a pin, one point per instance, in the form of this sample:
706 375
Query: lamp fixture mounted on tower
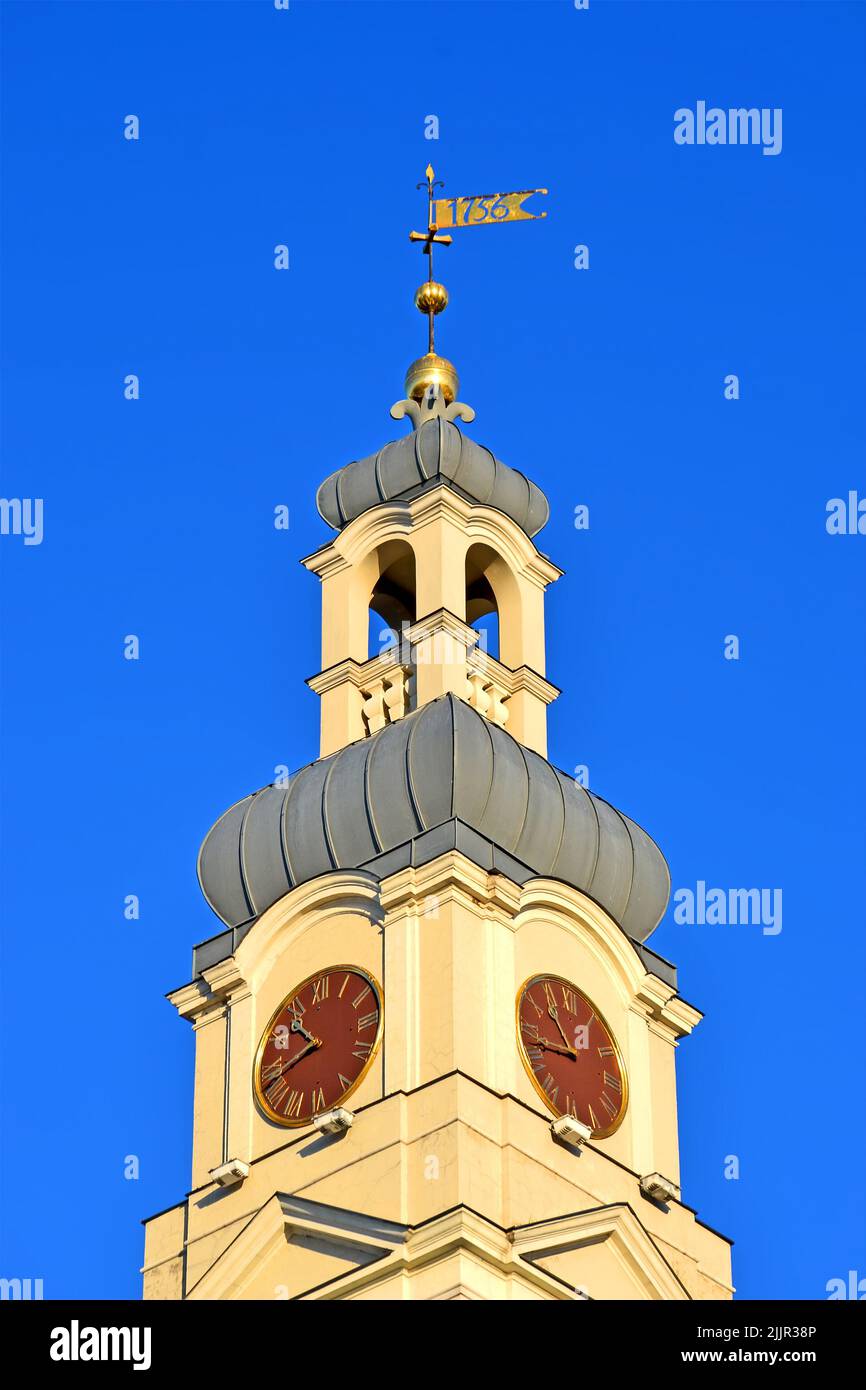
431 298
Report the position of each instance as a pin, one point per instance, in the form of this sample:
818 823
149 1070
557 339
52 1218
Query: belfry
434 1052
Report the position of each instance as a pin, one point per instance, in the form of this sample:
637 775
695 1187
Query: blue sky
707 518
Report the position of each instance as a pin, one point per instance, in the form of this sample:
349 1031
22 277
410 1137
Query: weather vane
431 297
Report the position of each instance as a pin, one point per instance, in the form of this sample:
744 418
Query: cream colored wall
328 923
163 1269
412 1159
209 1093
479 938
452 951
447 1115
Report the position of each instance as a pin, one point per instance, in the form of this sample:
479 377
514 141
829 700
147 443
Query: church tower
434 1053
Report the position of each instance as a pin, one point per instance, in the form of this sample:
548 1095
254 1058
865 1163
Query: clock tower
434 1051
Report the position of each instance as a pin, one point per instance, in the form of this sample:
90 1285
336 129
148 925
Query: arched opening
482 609
392 602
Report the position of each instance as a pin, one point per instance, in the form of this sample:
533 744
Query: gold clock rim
261 1102
546 975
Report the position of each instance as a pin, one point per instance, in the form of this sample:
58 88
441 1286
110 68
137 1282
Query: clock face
319 1045
570 1054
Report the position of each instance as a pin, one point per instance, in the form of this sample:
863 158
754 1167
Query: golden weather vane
431 297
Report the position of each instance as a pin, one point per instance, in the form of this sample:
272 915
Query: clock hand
554 1014
555 1047
290 1062
298 1027
310 1047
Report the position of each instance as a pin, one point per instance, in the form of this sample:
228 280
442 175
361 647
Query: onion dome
441 778
435 452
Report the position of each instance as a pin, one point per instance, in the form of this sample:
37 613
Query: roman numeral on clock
550 1088
361 997
608 1104
361 1049
276 1091
320 990
318 1100
295 1103
612 1081
367 1021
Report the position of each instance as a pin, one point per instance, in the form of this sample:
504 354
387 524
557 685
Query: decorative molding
432 406
668 1015
303 909
395 520
617 1225
387 681
381 1252
234 978
564 907
192 999
225 980
450 875
461 1231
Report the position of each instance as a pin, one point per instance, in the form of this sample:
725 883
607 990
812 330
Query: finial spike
431 297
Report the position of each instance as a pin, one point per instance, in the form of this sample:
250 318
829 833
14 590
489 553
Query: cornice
513 679
451 874
667 1014
192 1000
402 653
389 520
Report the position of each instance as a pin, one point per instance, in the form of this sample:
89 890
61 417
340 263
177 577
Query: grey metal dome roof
436 451
447 777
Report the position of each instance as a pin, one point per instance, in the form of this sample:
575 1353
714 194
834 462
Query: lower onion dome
443 777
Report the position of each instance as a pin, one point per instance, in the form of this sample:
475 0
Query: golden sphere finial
432 370
431 297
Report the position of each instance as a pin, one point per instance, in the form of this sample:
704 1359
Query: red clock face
318 1045
570 1054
